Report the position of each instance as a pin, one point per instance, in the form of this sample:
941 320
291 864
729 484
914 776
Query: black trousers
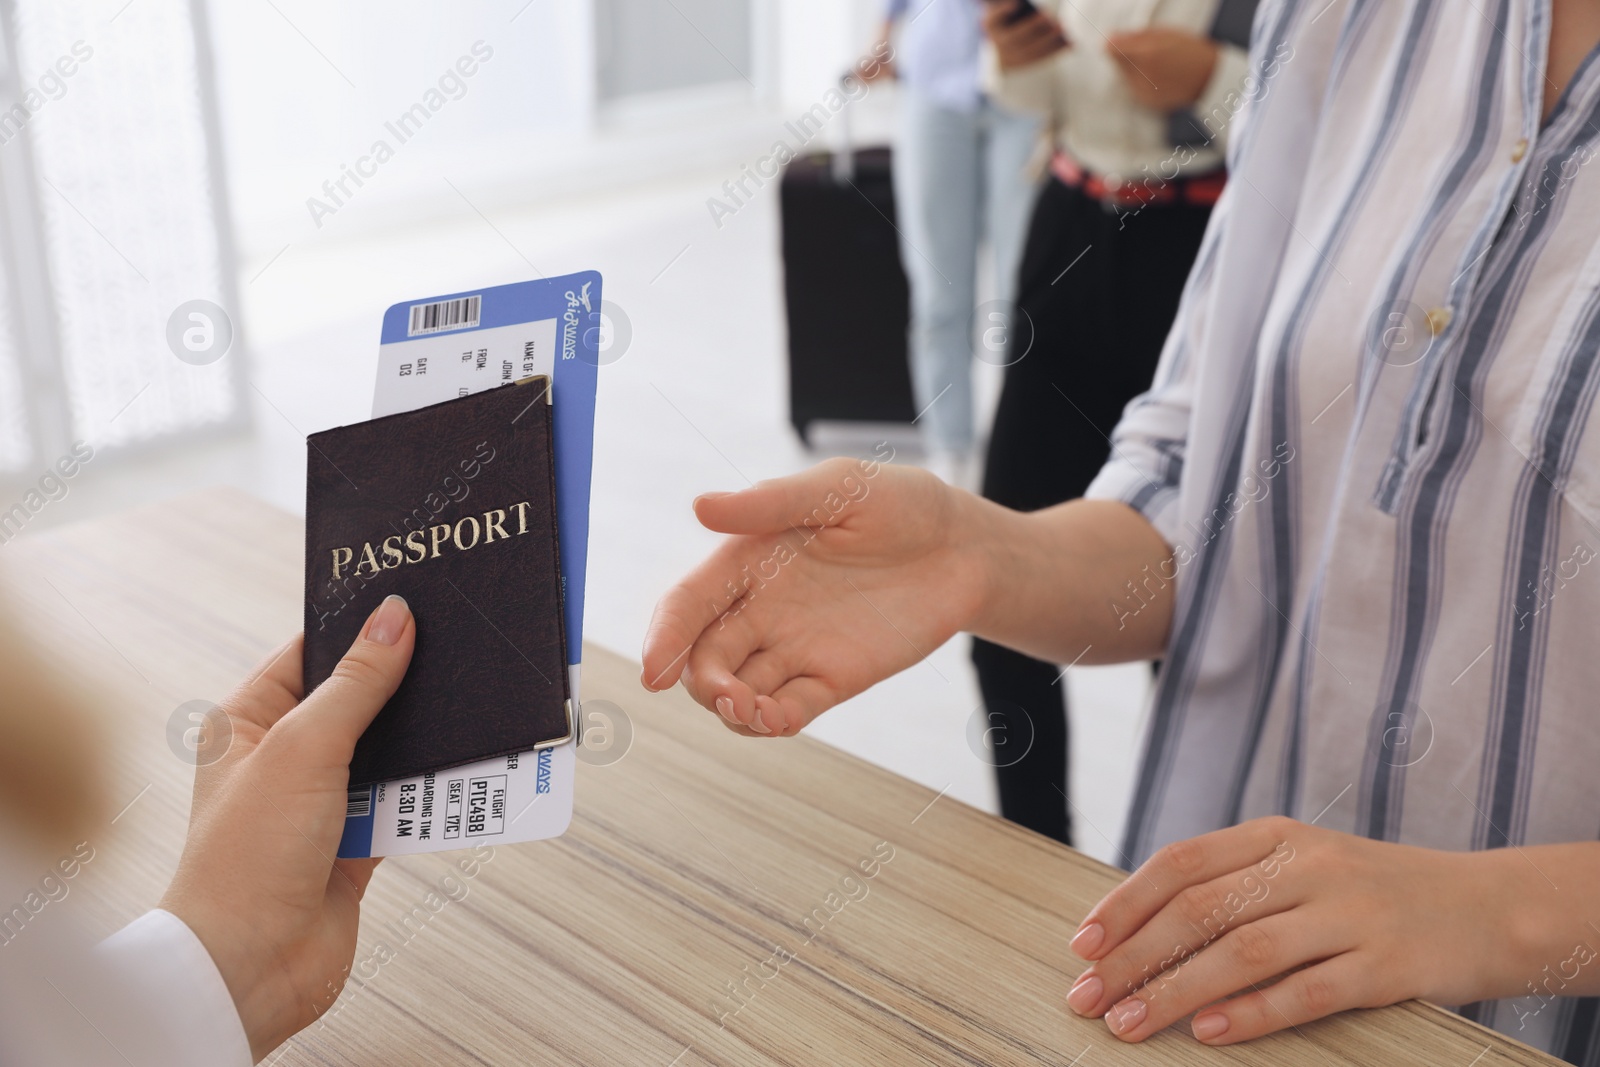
1100 291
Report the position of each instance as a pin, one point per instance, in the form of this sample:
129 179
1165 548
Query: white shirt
147 995
1086 101
1371 444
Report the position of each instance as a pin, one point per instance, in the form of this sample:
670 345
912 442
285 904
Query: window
114 220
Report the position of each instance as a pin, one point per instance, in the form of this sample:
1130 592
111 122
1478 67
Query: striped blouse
1369 445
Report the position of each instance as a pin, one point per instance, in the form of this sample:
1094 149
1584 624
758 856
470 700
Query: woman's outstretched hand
831 580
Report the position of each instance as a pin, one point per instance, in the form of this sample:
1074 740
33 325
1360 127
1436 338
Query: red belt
1203 189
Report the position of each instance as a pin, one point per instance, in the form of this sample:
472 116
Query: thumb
356 872
343 706
781 503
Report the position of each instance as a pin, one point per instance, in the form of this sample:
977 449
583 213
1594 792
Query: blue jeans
958 176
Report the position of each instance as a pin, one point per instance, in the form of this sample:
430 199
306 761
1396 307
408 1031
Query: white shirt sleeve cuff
161 953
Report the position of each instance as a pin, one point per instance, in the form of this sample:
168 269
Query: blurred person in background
256 933
1137 111
959 177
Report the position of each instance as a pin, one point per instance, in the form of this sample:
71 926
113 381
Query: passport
453 507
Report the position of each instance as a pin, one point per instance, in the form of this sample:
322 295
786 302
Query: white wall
307 91
818 39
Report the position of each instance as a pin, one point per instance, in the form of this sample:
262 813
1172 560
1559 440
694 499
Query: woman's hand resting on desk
1352 922
258 883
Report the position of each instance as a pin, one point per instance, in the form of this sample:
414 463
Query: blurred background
156 153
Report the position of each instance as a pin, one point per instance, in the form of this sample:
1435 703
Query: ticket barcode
459 314
358 802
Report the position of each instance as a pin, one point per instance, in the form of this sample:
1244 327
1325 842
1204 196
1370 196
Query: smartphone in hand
1023 34
1023 9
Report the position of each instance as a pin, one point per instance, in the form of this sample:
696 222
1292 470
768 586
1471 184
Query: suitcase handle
842 166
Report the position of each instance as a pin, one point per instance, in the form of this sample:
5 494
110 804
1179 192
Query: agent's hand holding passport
453 708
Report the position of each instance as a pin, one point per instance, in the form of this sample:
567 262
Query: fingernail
1086 941
725 708
1126 1016
389 620
757 723
1086 994
1212 1025
709 497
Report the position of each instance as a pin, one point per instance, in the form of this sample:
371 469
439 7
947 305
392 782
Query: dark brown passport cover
452 506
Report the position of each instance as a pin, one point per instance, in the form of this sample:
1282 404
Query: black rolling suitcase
846 294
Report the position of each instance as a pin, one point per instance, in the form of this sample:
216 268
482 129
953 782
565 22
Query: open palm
832 580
